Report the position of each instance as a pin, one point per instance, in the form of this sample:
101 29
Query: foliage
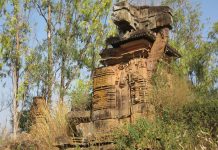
10 55
81 95
13 48
156 135
194 126
202 114
170 90
24 121
198 52
162 135
78 34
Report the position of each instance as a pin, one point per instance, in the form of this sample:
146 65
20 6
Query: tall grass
170 91
56 125
42 136
3 134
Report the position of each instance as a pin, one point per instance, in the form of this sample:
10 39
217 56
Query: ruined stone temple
121 87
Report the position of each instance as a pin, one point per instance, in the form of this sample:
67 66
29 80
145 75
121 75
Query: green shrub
24 121
194 126
202 114
156 135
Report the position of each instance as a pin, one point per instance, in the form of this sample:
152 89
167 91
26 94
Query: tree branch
41 13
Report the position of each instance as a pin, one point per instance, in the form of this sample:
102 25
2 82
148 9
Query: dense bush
24 121
156 135
202 114
192 127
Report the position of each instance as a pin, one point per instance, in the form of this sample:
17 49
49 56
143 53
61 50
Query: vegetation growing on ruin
185 119
186 101
55 66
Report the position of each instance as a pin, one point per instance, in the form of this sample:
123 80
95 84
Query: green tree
79 37
197 52
44 9
212 78
13 47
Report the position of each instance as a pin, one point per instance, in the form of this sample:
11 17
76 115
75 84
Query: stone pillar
39 113
156 53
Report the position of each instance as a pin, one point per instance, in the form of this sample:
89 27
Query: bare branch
41 13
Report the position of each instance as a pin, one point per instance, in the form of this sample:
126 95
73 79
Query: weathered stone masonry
121 87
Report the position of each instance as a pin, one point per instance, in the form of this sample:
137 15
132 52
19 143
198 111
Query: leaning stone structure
121 87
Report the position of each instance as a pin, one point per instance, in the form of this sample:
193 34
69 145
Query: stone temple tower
121 87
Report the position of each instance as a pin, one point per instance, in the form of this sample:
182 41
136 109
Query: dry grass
42 135
4 134
56 125
170 90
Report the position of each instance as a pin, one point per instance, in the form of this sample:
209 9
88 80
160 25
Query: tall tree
13 46
50 53
44 9
16 68
75 34
188 38
79 38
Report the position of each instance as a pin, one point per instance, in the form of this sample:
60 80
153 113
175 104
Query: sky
209 11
